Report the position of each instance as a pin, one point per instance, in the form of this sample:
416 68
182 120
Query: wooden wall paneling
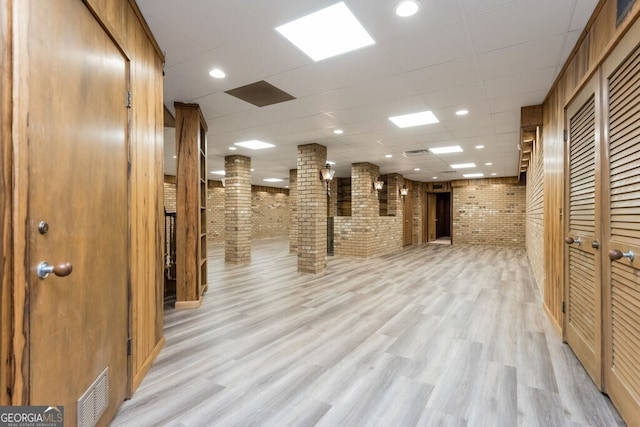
553 185
621 211
592 48
146 194
6 236
191 197
535 210
122 20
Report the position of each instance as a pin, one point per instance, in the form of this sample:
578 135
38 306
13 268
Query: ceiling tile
433 46
536 54
518 22
528 81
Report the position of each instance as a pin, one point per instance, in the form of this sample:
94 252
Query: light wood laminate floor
433 335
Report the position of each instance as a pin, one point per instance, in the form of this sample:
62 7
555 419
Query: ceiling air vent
412 153
443 172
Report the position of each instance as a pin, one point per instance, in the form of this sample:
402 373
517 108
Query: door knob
616 254
571 240
61 270
595 244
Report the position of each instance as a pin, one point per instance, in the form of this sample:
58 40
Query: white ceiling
488 56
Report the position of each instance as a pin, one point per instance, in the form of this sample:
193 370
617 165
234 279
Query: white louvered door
621 86
583 309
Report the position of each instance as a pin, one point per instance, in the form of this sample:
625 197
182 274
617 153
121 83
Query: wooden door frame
18 347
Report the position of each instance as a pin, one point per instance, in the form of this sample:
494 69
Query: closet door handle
61 270
571 241
616 254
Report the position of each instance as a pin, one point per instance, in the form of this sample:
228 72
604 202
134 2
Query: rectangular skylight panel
463 166
473 175
254 144
327 32
446 150
414 119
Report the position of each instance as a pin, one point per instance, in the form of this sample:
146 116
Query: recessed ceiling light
233 148
462 112
273 180
434 177
463 166
217 73
488 164
331 163
407 8
445 150
338 131
473 175
327 32
388 156
254 144
494 174
414 119
416 169
479 147
218 172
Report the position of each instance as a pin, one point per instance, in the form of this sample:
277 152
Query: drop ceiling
490 57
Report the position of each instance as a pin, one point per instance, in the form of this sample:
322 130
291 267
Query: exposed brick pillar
394 199
333 198
293 211
237 210
312 209
364 198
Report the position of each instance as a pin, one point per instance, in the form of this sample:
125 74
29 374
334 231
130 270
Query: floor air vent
94 401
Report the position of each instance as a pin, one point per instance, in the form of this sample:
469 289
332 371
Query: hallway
431 335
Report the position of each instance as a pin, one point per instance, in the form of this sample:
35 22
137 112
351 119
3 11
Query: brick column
333 198
293 211
364 198
394 199
312 209
237 211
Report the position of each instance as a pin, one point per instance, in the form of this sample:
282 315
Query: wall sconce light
378 184
404 191
223 179
326 175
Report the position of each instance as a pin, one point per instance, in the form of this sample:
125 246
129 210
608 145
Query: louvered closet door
621 270
583 313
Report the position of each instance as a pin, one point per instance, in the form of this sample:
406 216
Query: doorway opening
438 218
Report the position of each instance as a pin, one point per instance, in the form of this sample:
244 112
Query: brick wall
367 237
269 212
269 206
170 194
416 192
491 214
215 212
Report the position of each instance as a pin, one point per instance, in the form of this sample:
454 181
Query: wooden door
583 311
77 133
443 215
431 217
622 244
